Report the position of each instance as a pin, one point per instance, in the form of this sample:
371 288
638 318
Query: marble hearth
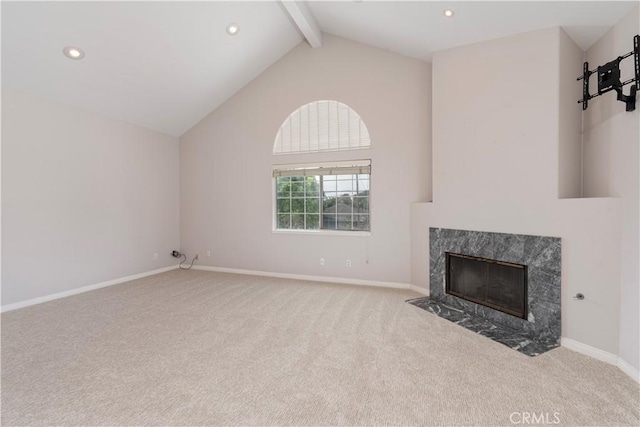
538 333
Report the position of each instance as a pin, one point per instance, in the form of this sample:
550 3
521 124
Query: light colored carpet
201 348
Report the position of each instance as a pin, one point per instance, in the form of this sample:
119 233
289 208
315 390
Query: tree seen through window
328 202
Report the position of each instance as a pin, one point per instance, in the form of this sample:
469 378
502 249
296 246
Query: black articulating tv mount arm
609 79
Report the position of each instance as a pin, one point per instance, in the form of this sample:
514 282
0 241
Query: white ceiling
166 65
161 65
418 29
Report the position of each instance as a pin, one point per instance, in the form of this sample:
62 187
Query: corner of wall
611 159
570 118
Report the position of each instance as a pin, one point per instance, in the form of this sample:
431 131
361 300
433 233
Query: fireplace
514 301
496 284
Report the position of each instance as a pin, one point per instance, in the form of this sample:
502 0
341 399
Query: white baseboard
588 350
419 290
602 355
326 279
83 289
628 369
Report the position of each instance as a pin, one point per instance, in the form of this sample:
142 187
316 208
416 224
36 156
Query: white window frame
310 167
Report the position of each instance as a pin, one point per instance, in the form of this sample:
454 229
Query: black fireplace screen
496 284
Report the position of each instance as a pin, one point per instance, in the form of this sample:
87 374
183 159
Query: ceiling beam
305 21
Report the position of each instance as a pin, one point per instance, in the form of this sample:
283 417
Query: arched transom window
321 126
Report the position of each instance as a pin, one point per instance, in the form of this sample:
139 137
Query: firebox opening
492 283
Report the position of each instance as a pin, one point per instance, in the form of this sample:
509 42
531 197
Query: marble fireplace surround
542 255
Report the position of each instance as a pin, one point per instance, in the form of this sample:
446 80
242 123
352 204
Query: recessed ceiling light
448 13
73 52
232 29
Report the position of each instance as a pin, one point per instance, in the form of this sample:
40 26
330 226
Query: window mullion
321 203
290 203
351 219
357 195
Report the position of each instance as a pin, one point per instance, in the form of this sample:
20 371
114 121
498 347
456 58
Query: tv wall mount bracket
609 79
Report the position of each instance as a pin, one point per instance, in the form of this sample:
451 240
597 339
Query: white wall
497 163
496 136
84 199
570 119
226 160
611 163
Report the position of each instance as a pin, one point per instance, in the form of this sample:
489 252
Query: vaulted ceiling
166 65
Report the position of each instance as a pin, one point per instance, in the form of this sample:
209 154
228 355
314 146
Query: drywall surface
84 199
226 164
497 136
496 160
611 163
570 119
420 216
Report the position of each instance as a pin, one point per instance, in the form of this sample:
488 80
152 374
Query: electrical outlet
321 261
209 252
348 263
155 255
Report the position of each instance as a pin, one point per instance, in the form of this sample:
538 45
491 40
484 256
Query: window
328 196
321 126
323 197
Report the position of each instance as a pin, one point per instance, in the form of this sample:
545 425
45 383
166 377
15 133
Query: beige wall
84 199
496 135
611 163
226 160
570 137
497 167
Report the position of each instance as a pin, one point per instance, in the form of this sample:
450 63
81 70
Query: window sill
324 232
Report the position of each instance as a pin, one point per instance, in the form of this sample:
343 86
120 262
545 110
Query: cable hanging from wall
178 254
609 79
